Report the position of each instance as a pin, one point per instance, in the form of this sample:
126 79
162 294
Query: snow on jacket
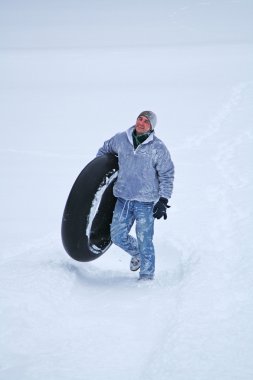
145 173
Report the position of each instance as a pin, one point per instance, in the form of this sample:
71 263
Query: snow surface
72 74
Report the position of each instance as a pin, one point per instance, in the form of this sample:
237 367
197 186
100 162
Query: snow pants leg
125 214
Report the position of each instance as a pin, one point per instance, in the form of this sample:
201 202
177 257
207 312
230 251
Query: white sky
50 24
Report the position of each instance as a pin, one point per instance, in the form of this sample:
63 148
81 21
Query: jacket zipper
135 150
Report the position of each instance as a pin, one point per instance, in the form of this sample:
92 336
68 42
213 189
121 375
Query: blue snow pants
125 214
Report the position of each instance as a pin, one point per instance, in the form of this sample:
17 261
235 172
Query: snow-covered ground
72 74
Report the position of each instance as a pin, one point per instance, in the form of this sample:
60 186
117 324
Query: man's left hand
160 208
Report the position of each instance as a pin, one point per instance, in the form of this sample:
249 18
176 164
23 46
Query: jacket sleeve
109 146
165 172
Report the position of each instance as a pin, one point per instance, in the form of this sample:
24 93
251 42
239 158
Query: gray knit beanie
151 116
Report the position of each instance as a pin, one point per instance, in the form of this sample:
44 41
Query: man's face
142 125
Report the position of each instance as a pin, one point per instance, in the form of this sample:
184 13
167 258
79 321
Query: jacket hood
129 133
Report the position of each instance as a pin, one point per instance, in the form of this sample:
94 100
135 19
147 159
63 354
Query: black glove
160 208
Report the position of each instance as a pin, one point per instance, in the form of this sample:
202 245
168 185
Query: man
143 189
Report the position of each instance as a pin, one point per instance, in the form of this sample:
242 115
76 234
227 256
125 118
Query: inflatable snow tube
88 212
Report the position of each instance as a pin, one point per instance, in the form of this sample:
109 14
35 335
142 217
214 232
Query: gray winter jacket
146 173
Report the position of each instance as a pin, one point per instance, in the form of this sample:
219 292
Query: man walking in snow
143 189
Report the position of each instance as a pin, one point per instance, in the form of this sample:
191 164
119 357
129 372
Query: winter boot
135 263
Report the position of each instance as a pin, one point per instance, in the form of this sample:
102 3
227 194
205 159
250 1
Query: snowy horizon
72 74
